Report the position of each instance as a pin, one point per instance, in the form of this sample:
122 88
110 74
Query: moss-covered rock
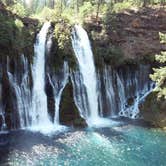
69 114
61 47
154 110
17 34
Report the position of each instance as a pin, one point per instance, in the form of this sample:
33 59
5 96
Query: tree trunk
98 9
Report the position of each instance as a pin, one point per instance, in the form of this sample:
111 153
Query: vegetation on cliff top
74 11
16 34
153 109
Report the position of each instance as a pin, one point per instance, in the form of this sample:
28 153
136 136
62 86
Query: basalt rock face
16 52
69 114
153 110
119 88
131 36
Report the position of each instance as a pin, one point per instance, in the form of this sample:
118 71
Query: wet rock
130 101
154 110
69 114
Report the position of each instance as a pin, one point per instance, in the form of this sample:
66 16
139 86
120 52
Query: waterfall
86 91
106 92
58 82
107 95
2 114
133 91
83 52
121 91
30 104
22 92
40 117
80 93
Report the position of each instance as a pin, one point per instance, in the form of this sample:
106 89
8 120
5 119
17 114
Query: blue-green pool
125 145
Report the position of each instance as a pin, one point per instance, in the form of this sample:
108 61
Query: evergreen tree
159 75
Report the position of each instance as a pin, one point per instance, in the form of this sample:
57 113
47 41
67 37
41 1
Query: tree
159 75
98 8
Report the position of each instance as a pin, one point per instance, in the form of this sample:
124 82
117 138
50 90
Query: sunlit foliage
159 75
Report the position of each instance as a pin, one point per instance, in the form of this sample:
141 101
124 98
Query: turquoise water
118 146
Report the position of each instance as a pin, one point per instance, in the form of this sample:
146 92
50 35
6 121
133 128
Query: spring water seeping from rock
21 88
121 91
2 116
133 90
58 82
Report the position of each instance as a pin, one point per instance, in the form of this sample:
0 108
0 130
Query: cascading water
31 105
58 83
22 93
84 55
80 94
2 112
55 82
40 117
109 93
133 91
83 52
2 116
122 91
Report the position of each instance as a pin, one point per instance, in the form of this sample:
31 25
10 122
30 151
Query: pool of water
125 145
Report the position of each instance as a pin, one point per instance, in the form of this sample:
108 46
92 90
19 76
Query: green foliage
6 31
62 33
18 9
159 75
46 14
162 37
19 24
15 38
121 6
78 8
86 9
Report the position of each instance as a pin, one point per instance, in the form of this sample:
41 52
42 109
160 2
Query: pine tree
159 75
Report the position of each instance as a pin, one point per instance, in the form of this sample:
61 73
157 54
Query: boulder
153 110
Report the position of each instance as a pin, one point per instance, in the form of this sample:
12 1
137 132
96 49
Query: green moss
153 110
15 38
7 27
62 46
69 114
111 55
